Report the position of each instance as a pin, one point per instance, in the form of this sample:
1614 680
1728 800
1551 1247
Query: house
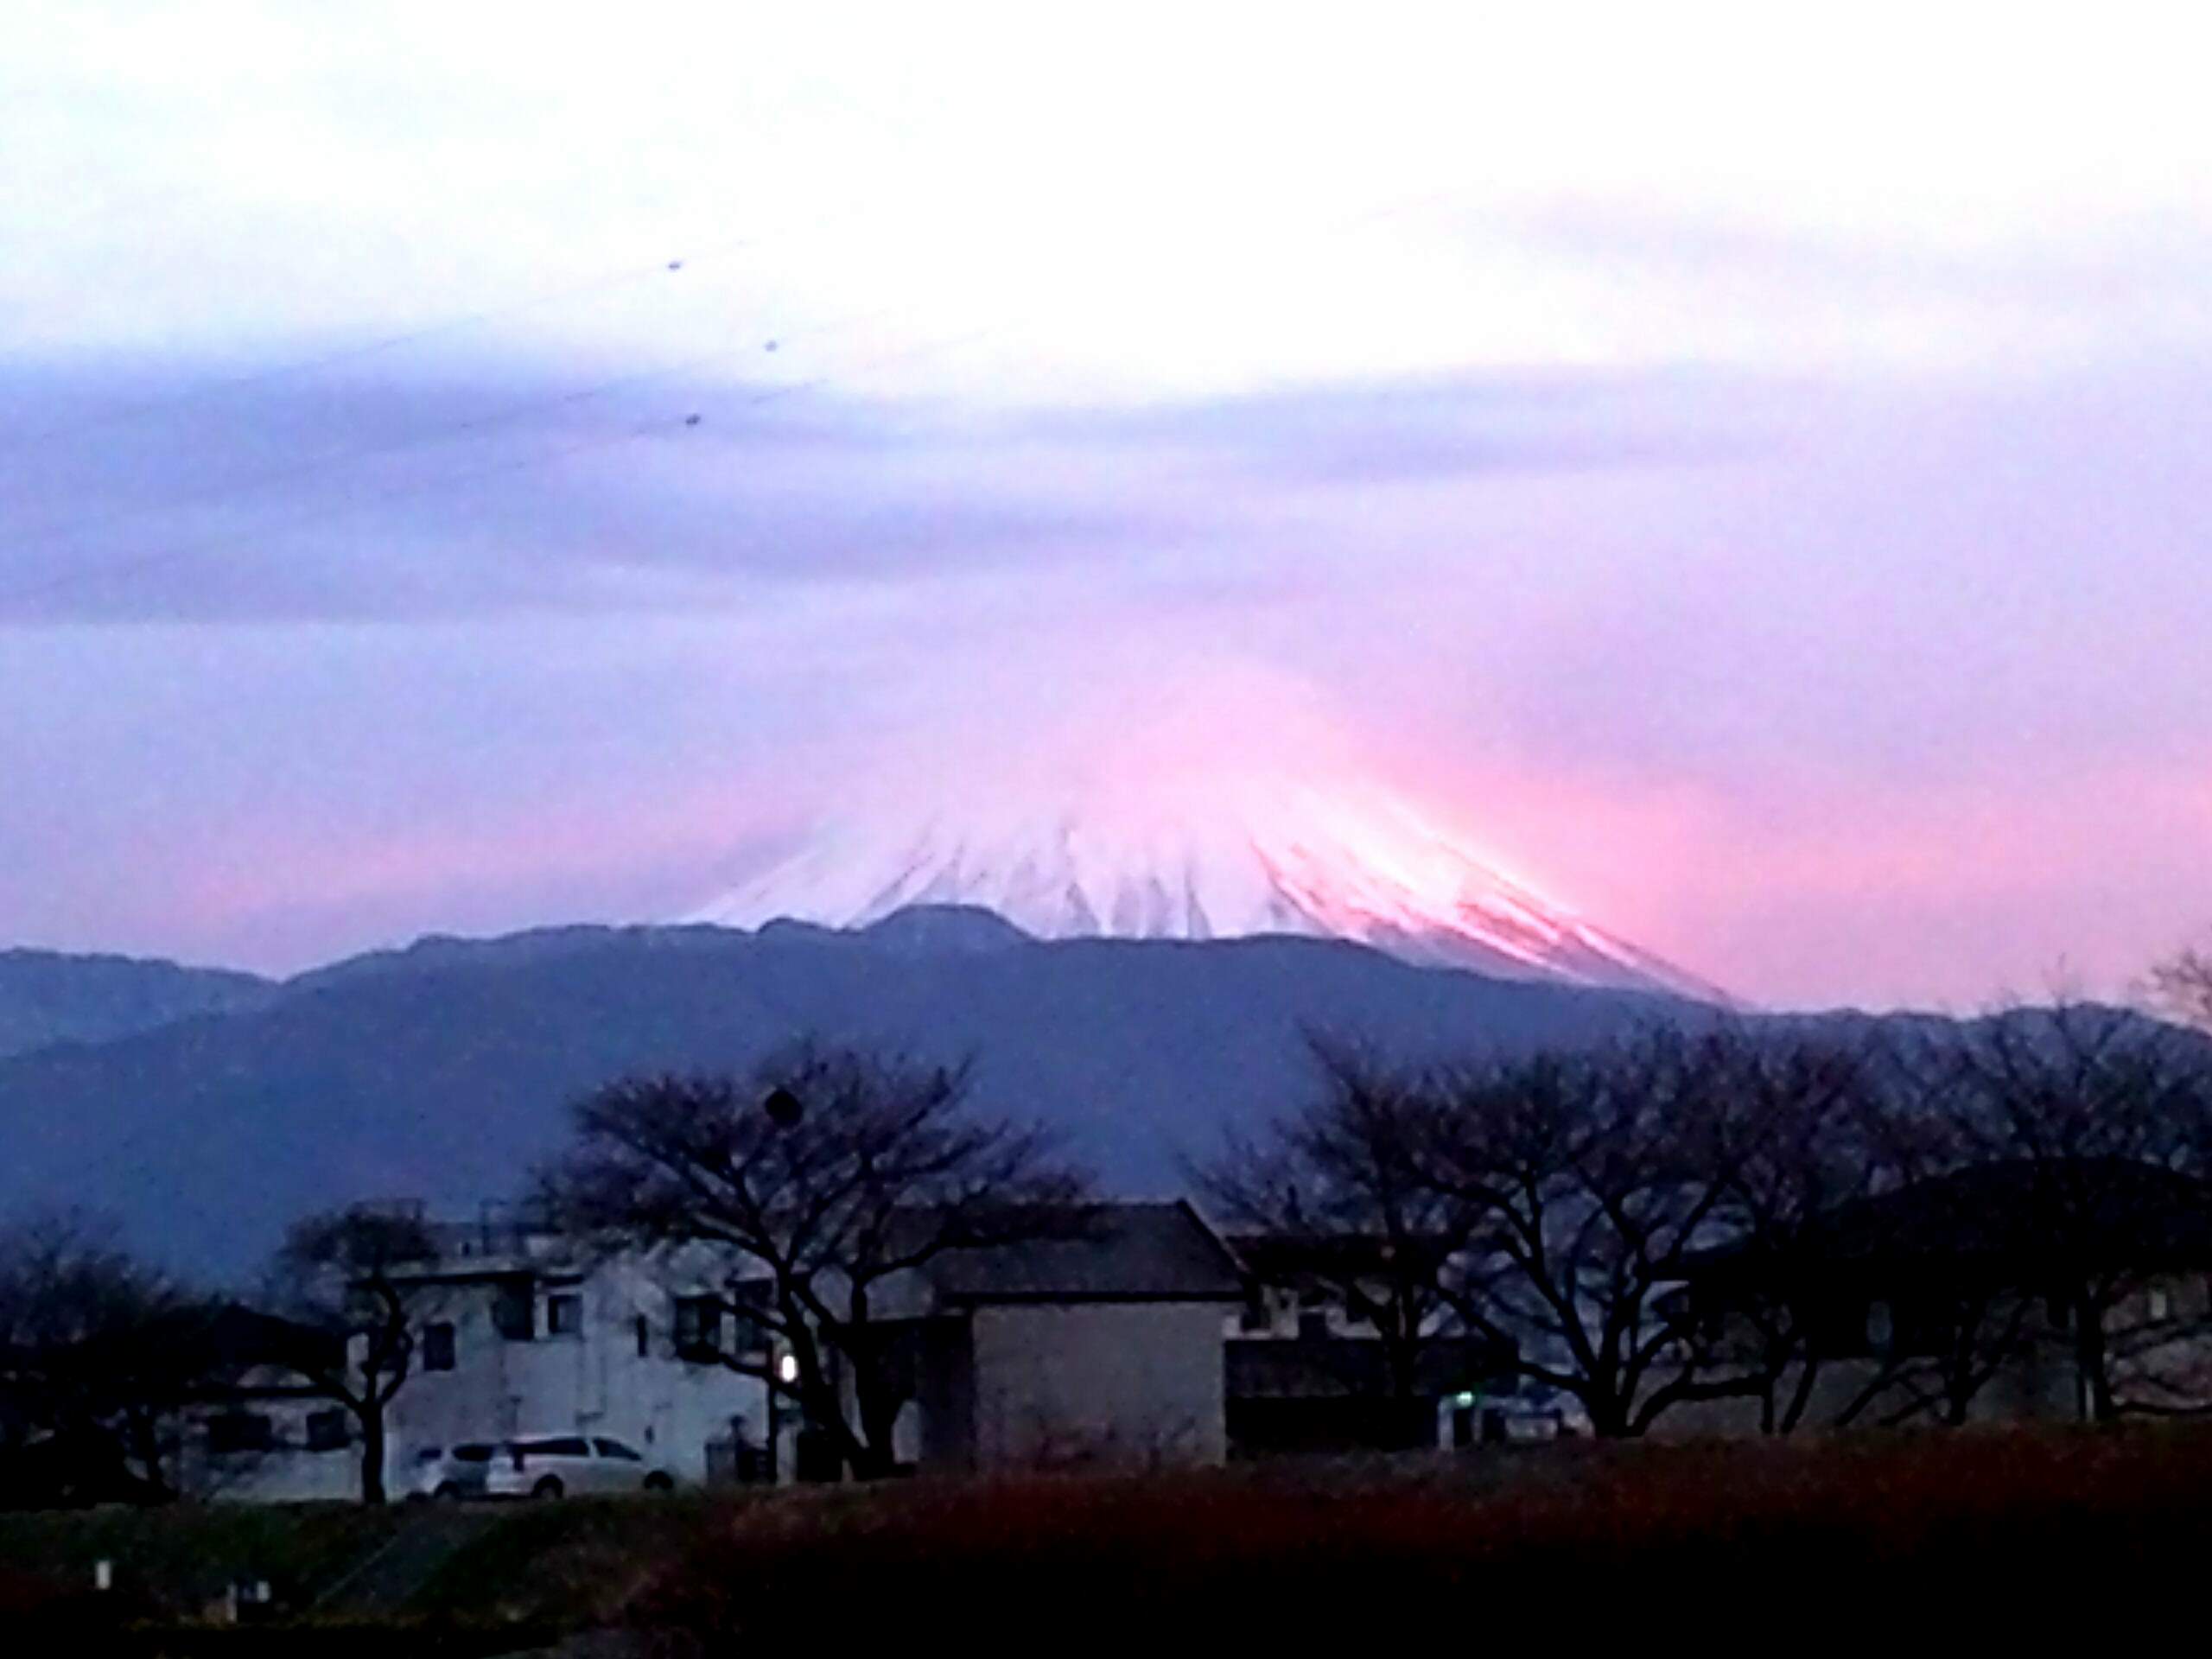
521 1331
1308 1369
1102 1345
1976 1294
257 1430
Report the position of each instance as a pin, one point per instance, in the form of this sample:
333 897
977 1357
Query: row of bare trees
1696 1214
1679 1218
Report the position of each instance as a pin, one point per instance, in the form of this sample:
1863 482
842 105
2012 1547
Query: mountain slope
443 1074
49 996
1257 859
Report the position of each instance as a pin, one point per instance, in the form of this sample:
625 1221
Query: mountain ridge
443 1074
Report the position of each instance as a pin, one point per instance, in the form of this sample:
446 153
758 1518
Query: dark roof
2123 1214
1120 1252
233 1336
1287 1258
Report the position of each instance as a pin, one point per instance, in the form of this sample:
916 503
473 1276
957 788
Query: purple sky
1752 479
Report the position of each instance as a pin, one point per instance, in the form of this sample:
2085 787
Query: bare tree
97 1348
1343 1181
345 1271
833 1173
1591 1175
1805 1117
2181 987
2096 1126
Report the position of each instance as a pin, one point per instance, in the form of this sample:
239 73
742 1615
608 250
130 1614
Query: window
514 1311
475 1451
564 1315
698 1327
750 1338
1838 1327
616 1449
563 1446
1924 1326
437 1346
2156 1303
328 1430
1257 1314
240 1430
645 1336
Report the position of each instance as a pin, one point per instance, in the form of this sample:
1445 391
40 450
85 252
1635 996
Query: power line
672 425
128 412
63 533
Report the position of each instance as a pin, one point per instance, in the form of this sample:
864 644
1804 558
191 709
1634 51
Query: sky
466 467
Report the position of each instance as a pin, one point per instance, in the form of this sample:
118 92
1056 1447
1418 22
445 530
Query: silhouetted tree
2101 1121
1343 1182
830 1172
97 1350
1805 1117
346 1271
1589 1176
2182 987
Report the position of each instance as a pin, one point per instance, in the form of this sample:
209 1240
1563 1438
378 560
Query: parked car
556 1466
451 1472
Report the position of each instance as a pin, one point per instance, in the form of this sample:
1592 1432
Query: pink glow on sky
1777 533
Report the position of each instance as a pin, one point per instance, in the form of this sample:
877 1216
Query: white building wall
593 1380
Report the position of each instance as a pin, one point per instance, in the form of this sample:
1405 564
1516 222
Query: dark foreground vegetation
2012 1528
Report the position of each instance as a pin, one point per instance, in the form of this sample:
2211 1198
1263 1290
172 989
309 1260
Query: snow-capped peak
1277 858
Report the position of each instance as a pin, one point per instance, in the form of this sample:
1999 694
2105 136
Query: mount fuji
1363 866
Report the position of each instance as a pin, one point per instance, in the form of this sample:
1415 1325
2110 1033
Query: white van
557 1465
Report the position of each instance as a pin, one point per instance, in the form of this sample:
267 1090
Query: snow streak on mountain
1274 859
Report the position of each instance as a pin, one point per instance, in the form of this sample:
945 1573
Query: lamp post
783 1109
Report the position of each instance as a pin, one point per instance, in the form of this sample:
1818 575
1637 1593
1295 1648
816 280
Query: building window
1836 1326
645 1336
240 1430
1257 1314
326 1430
698 1327
438 1346
750 1338
514 1311
564 1315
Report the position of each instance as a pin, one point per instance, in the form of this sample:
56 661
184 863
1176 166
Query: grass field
2017 1528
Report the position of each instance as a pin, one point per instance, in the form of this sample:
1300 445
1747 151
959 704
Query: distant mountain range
206 1110
49 997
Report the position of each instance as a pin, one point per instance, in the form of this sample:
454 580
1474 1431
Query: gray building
1103 1348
